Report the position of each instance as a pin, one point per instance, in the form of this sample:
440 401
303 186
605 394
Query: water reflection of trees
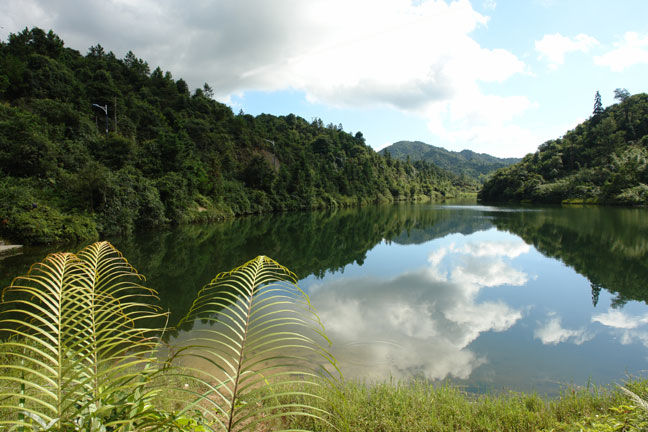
178 262
609 246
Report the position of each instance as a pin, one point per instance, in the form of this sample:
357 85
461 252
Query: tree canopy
621 94
598 105
603 160
170 156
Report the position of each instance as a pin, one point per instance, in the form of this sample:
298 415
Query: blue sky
494 76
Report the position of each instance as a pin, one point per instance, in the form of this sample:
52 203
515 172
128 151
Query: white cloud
631 51
509 249
487 272
631 336
483 123
383 145
554 47
627 327
619 319
418 323
417 57
553 333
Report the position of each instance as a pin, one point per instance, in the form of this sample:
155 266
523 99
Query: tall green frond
73 340
76 352
255 335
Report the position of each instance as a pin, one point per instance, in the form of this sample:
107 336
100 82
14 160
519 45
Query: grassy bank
416 406
419 406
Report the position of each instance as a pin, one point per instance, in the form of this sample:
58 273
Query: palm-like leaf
75 339
255 339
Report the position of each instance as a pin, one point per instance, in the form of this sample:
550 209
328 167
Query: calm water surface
489 297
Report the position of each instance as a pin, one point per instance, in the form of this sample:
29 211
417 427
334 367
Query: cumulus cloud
417 57
628 328
554 47
632 50
487 272
619 319
553 333
509 249
484 123
631 336
417 323
345 53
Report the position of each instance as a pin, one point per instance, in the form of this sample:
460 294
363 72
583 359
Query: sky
493 76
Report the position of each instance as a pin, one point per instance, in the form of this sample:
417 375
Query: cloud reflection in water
552 333
420 322
630 328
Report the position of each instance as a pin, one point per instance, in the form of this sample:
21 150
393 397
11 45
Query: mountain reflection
420 322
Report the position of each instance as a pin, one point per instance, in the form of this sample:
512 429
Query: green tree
598 105
258 174
602 160
25 150
621 94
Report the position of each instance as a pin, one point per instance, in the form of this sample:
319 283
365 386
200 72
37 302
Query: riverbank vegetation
604 160
93 145
412 406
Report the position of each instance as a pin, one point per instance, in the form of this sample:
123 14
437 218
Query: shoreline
212 215
7 250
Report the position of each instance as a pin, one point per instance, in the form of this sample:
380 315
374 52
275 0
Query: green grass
415 405
418 406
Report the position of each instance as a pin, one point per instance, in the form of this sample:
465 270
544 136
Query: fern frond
73 336
255 336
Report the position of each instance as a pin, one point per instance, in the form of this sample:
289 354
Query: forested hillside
603 160
169 155
464 163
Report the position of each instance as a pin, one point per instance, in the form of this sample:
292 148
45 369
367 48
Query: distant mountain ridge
465 162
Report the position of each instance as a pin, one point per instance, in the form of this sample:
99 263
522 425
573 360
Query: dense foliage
169 156
466 163
603 160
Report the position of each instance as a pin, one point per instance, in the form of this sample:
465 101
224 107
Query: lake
490 298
